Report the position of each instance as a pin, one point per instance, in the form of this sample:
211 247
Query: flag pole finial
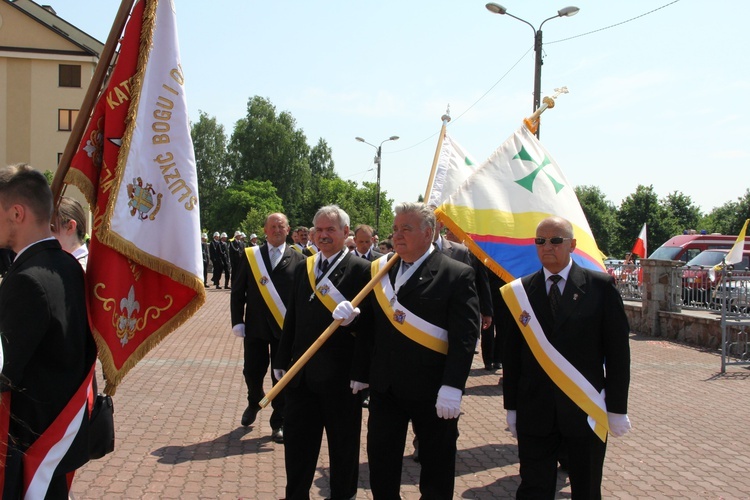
447 116
532 122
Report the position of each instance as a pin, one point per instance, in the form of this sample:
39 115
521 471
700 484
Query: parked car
738 294
686 247
703 272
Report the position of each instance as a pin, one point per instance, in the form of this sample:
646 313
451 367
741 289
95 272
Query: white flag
453 168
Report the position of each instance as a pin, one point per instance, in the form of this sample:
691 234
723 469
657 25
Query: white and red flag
136 166
640 247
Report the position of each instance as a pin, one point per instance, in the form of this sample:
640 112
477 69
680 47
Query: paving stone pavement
178 432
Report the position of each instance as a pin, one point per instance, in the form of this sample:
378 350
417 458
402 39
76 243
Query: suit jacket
461 253
590 331
441 291
48 346
372 255
218 252
247 304
306 319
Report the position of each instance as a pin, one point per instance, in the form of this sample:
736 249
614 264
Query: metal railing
629 280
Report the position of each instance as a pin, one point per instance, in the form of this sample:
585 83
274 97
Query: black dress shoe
498 366
278 435
248 416
489 367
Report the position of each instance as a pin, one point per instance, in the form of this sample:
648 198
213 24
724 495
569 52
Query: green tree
685 213
267 146
210 145
601 216
729 217
244 206
639 207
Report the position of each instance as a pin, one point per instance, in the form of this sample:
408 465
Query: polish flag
640 246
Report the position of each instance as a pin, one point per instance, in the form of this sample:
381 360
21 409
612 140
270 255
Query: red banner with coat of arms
136 166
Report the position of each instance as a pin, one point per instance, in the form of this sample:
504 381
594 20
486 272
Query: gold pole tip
263 402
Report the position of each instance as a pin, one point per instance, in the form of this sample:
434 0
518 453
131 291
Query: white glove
619 424
357 386
448 402
346 312
510 419
278 373
239 330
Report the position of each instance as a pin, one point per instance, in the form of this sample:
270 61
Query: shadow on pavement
230 444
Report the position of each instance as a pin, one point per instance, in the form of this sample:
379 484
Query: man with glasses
566 366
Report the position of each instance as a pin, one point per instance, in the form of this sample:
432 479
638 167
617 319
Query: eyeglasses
557 240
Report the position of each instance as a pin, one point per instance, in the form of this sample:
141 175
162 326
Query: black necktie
323 267
554 294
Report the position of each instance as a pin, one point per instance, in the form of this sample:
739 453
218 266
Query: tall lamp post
566 12
377 161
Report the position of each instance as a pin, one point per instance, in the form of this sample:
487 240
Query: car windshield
665 253
707 258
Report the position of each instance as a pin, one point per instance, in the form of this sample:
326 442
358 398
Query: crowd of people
560 336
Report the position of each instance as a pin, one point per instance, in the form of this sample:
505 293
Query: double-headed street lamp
566 12
377 161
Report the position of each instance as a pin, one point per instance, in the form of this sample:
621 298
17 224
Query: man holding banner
416 356
566 366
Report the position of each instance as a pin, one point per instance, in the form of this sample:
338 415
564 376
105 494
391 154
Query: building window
66 118
70 75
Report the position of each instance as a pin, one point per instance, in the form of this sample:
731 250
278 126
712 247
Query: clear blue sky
658 100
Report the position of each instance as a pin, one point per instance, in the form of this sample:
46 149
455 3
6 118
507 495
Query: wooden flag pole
532 122
297 366
89 100
446 118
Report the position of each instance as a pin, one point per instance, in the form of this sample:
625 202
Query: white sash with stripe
559 369
265 284
409 324
324 290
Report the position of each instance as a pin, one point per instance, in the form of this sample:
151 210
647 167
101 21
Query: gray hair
332 212
425 213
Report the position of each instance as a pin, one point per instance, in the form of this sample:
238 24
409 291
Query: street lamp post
566 12
377 161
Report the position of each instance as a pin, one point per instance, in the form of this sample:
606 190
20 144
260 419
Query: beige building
46 65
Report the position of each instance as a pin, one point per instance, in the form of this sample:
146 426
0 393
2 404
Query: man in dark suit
206 256
47 377
236 250
258 303
363 240
575 320
416 355
217 252
319 397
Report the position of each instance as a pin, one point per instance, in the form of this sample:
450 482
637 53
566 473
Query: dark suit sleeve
512 343
239 291
26 318
283 357
463 329
616 345
483 286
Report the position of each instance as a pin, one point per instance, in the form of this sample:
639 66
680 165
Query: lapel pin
575 296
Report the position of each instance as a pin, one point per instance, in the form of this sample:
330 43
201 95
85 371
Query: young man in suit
363 235
47 377
575 320
416 356
320 397
260 295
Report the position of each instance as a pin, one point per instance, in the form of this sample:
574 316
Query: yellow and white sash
409 324
559 369
326 292
265 285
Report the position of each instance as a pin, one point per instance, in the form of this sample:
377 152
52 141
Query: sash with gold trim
559 369
265 285
325 291
409 324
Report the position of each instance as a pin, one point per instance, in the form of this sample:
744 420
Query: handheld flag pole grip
297 366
